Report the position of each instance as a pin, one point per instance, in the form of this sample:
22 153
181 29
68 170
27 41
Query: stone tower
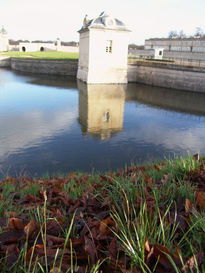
4 42
103 50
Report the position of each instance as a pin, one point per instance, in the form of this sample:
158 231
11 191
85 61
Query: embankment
43 66
161 74
5 61
170 75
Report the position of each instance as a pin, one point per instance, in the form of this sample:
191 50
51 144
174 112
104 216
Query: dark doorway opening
23 49
42 48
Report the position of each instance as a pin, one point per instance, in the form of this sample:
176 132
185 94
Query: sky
52 19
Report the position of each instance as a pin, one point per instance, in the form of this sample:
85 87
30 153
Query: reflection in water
101 109
42 120
33 128
178 100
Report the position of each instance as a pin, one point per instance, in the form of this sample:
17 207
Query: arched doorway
42 48
23 49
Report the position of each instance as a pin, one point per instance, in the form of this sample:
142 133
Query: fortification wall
53 67
168 75
5 62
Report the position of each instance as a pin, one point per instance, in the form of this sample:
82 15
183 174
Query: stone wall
53 67
168 75
160 74
5 62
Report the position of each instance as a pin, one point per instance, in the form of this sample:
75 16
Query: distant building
176 44
4 42
103 50
39 46
46 46
29 46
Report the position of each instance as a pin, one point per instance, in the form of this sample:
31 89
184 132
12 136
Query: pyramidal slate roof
103 21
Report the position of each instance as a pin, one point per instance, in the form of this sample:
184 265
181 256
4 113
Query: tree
182 34
199 32
172 34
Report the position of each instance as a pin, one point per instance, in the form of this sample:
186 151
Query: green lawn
43 55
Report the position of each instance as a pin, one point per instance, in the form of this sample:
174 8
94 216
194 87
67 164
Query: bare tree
199 32
172 34
182 34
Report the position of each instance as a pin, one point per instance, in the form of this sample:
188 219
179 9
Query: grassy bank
141 219
43 55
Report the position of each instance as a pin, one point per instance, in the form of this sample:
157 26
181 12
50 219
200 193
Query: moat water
53 125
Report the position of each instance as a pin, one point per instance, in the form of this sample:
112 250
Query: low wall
168 75
52 67
5 62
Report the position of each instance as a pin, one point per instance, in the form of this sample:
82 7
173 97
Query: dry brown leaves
92 238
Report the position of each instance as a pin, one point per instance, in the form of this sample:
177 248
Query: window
106 116
160 53
108 48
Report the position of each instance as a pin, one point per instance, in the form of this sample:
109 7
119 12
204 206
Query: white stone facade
4 42
103 51
29 47
182 45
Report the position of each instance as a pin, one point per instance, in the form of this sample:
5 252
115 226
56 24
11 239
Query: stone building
32 46
4 42
183 45
103 50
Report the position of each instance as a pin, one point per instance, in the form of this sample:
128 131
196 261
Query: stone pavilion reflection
101 109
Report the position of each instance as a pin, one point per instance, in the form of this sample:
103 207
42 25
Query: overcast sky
51 19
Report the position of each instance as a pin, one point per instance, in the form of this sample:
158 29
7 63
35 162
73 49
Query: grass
152 222
49 55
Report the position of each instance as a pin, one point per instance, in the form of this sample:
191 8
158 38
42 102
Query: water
52 125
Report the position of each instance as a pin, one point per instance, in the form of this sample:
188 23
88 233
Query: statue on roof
85 21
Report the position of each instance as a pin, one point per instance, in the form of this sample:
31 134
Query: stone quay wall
5 62
50 67
168 75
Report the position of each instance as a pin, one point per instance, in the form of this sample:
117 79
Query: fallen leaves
94 235
200 199
16 223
